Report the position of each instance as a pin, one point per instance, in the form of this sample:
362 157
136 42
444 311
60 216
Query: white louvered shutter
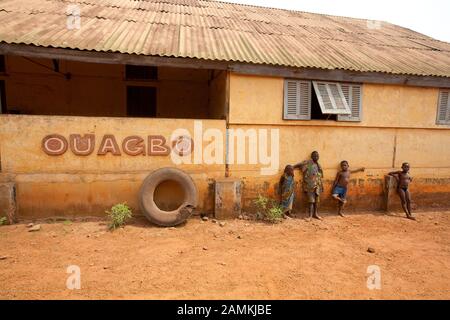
297 100
443 114
331 98
353 95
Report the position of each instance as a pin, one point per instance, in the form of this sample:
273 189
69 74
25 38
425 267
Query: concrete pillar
227 198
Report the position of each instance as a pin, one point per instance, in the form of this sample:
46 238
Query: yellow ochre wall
398 126
88 185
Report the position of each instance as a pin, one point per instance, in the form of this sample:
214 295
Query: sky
430 17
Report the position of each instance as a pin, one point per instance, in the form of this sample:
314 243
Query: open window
133 72
317 100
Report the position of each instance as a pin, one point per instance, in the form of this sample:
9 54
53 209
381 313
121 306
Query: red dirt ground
242 260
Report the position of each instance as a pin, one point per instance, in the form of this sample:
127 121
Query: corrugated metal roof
214 30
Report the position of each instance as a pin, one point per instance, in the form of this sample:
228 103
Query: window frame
340 117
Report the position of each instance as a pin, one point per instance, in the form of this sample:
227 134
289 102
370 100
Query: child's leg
311 210
316 208
341 208
336 197
408 204
402 195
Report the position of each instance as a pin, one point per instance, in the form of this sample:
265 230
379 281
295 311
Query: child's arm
338 175
395 174
358 170
300 165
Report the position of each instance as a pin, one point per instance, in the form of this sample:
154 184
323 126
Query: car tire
147 202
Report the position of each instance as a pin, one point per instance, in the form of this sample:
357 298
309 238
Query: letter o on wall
54 145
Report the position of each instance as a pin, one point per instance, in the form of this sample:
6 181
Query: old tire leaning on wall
147 202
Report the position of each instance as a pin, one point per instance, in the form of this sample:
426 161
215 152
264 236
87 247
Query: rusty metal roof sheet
214 30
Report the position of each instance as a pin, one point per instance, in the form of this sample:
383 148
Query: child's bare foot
411 218
316 216
341 214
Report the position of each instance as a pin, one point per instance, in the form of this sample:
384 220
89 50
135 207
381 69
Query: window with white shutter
443 113
331 98
297 100
353 95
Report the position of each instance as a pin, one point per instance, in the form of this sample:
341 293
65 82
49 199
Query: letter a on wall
109 144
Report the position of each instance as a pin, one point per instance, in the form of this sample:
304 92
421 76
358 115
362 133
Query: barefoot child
403 180
312 183
286 189
340 185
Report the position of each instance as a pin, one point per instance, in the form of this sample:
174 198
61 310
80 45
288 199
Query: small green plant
118 215
269 209
3 221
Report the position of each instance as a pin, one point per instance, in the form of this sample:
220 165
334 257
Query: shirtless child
403 180
340 185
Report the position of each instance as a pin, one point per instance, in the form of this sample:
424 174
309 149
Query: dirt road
241 260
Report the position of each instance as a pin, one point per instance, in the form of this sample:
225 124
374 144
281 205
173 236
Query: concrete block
8 206
227 198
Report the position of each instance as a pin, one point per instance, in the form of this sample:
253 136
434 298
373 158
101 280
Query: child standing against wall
340 185
312 183
287 190
403 180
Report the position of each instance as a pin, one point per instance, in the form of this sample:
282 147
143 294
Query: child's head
289 170
315 156
344 165
405 167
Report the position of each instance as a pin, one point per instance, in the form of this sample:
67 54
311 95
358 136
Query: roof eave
237 67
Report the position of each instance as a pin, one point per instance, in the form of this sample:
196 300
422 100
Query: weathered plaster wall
398 126
70 184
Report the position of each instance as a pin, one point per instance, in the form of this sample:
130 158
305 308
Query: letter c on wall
54 145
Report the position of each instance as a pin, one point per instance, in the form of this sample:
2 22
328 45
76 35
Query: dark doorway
141 101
